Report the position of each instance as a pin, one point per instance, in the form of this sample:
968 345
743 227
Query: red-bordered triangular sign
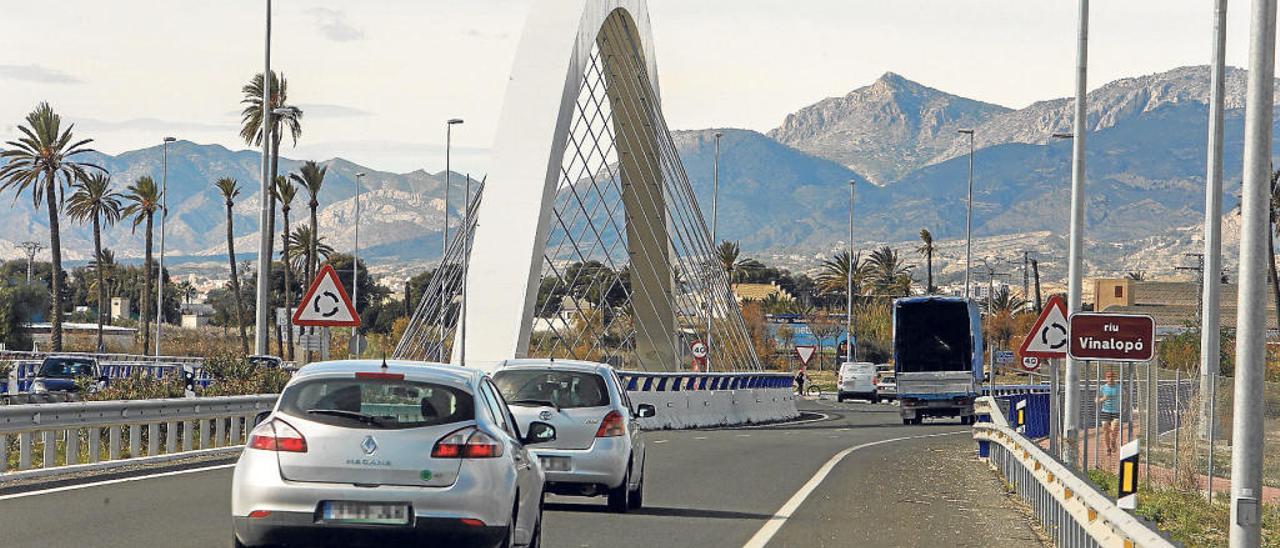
805 353
1050 334
326 303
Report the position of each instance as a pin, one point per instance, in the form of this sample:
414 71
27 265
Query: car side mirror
645 411
539 432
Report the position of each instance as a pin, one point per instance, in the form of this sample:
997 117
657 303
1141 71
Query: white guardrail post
68 436
1072 511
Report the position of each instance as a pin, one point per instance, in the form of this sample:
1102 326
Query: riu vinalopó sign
1112 337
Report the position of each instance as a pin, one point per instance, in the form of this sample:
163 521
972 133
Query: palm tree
144 201
1004 302
300 241
727 254
833 279
1271 242
285 192
41 162
889 273
251 126
95 200
1137 276
230 191
926 249
187 289
104 269
311 177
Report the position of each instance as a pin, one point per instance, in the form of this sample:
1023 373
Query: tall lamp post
1251 316
968 223
31 248
263 300
715 217
164 220
849 349
355 271
448 150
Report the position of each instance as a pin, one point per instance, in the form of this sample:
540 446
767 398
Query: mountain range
783 194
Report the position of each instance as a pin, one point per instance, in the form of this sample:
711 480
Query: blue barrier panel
1037 413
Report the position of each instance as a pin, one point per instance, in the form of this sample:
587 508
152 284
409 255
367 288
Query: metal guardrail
71 436
12 355
1073 512
681 382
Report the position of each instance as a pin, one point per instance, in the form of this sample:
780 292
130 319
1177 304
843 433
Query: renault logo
369 445
545 415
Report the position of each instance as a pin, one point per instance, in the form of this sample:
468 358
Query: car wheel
635 499
839 398
509 540
875 399
618 495
235 542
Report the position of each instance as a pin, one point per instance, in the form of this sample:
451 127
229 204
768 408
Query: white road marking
700 438
775 523
113 481
744 435
660 441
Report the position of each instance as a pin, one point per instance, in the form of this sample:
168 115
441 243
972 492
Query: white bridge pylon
589 243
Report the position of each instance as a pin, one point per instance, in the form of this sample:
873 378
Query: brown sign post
1112 337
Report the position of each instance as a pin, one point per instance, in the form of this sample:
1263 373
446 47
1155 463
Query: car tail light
380 376
277 435
612 426
472 522
467 443
259 514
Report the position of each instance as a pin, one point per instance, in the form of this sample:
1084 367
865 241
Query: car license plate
554 464
336 511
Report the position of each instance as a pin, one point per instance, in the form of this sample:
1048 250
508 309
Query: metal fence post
1177 414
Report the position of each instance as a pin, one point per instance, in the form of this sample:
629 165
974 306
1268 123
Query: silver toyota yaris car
598 449
369 453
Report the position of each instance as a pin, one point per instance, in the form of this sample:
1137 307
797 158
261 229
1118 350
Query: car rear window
377 403
66 368
562 389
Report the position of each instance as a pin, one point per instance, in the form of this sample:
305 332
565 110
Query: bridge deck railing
69 437
1072 511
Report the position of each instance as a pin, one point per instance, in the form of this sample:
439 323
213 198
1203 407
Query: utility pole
715 217
1075 262
1035 272
1251 318
1026 258
1198 268
850 350
31 248
968 223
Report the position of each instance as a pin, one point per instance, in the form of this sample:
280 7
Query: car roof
560 365
415 369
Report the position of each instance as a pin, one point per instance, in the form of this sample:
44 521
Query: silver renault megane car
369 453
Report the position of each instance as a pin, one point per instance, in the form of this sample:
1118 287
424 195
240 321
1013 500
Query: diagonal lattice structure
431 330
589 242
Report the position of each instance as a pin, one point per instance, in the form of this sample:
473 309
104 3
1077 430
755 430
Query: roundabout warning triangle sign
1049 337
326 303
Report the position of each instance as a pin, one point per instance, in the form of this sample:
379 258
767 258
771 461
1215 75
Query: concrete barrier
702 400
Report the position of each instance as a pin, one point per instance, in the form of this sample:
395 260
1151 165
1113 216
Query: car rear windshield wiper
531 401
367 419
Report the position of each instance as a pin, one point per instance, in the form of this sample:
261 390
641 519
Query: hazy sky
377 78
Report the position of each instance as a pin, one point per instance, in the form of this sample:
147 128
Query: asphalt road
898 486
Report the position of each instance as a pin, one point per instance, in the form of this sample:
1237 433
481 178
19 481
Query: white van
857 381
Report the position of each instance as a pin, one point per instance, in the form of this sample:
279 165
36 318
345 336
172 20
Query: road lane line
660 441
112 482
779 518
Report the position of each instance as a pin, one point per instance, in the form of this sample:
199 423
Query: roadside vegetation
1187 516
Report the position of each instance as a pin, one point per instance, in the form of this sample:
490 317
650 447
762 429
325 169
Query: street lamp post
715 217
1251 316
448 150
263 300
164 221
355 271
968 223
1075 262
31 248
849 349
